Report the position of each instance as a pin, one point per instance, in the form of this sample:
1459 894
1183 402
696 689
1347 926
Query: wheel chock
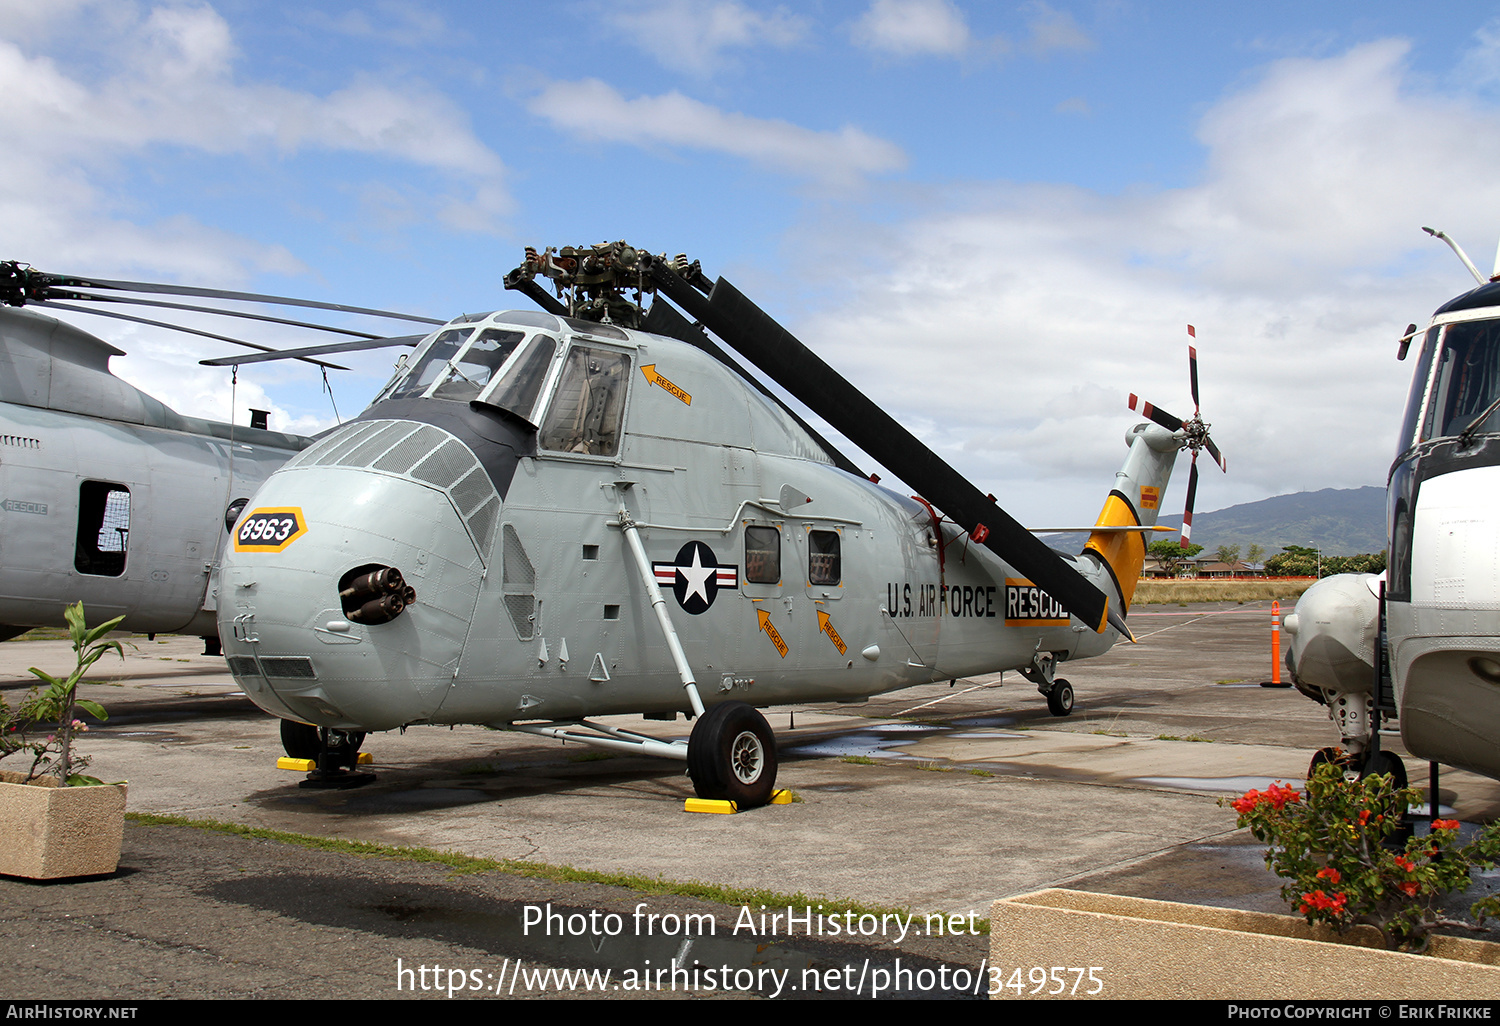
727 808
365 759
286 762
718 805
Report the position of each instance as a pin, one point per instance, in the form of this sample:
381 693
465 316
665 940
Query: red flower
1405 863
1411 887
1330 874
1364 817
1246 805
1445 824
1280 795
1322 902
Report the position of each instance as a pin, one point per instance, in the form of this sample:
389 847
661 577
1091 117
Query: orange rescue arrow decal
656 379
771 632
825 624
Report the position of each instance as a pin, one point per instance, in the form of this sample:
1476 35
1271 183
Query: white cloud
910 28
170 80
595 110
692 36
1298 256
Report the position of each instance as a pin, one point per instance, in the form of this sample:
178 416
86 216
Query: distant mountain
1340 521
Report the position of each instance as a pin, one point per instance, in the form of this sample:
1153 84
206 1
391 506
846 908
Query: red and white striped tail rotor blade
1155 413
1193 373
1187 516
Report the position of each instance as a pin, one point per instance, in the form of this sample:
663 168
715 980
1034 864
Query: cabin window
103 528
518 389
420 373
823 562
480 361
762 555
589 404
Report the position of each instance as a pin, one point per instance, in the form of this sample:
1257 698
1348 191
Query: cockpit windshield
418 375
1465 392
476 364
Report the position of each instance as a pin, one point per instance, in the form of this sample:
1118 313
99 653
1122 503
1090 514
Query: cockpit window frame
555 383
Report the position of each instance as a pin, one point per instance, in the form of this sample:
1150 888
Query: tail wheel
732 755
1060 698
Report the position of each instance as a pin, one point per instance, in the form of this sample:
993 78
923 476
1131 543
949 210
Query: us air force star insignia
696 576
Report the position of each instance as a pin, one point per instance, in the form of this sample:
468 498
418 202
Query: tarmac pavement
934 799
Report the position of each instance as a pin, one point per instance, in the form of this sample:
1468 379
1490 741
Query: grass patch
977 772
1110 733
1188 737
857 760
934 767
593 756
458 863
1231 680
1161 592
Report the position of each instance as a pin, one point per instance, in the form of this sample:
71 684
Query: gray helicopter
591 509
106 494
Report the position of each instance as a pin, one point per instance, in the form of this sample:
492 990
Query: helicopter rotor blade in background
48 304
789 363
306 351
17 284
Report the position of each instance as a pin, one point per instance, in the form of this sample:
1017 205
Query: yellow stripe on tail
1124 552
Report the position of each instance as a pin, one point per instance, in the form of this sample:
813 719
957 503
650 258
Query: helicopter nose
350 582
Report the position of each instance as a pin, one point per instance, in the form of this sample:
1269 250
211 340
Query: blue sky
997 219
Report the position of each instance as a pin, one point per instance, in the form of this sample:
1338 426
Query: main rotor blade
306 351
244 314
47 303
663 319
1187 516
1155 413
246 297
789 363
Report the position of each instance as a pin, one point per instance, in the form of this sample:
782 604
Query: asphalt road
934 800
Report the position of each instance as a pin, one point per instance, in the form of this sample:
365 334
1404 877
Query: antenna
1462 255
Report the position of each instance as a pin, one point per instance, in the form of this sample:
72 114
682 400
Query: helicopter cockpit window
589 404
420 373
1466 383
762 555
466 376
518 388
103 528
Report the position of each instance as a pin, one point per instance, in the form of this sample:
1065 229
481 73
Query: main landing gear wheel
732 755
1060 698
304 741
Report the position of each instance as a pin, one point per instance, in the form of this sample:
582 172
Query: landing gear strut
1057 691
336 753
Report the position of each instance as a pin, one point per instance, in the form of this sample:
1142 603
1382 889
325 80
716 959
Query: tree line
1291 561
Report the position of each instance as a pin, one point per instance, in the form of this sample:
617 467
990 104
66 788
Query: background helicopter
551 516
107 495
1431 624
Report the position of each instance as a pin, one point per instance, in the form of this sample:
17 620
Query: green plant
1332 847
51 709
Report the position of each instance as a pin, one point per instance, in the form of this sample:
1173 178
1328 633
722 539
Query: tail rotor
1194 434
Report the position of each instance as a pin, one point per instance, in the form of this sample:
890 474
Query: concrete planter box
1162 949
51 832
